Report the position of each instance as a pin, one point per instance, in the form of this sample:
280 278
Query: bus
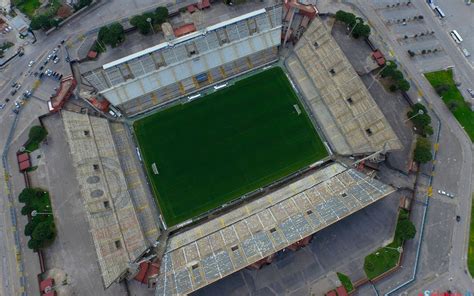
439 12
457 38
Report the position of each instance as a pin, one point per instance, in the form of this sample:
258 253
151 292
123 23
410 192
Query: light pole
357 22
387 63
420 112
35 213
149 21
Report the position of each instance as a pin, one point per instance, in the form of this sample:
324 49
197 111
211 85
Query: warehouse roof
226 244
344 108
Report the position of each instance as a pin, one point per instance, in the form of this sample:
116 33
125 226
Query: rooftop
201 255
347 113
113 221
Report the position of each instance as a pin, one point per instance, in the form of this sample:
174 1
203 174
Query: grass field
28 6
217 148
462 112
470 252
385 258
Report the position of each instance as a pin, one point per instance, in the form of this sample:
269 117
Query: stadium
238 144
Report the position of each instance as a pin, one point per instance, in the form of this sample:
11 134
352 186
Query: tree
403 84
34 244
441 89
37 134
30 227
44 231
397 75
422 150
361 30
26 210
393 88
27 195
389 70
112 35
346 17
405 230
41 21
81 4
453 105
141 24
161 14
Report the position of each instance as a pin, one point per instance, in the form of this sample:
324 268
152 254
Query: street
454 169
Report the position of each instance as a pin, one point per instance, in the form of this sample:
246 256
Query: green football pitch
217 148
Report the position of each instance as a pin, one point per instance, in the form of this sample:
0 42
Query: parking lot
407 23
459 17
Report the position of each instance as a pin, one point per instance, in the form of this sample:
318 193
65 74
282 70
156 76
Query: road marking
430 191
436 146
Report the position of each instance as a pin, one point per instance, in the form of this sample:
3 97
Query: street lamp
149 21
399 249
420 112
357 22
387 63
35 213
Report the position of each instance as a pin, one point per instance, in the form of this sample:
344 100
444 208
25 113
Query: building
186 64
67 86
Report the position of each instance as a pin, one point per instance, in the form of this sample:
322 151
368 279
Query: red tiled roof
341 291
50 293
143 267
203 4
23 156
49 282
184 30
24 165
377 54
191 8
331 293
92 54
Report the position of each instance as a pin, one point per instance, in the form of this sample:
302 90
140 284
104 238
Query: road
17 71
463 166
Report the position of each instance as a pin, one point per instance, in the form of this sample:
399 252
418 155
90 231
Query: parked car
471 92
2 106
30 64
458 218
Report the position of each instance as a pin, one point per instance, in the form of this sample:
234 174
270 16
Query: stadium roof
113 221
187 56
348 115
226 244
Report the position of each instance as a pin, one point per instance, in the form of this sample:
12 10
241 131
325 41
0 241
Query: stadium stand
113 221
346 112
208 252
171 69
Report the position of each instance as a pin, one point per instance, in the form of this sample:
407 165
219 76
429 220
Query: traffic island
383 260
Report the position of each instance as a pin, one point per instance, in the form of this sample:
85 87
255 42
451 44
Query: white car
56 60
451 195
442 192
31 63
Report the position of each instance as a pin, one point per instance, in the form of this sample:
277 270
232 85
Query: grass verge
385 258
28 7
443 82
470 252
346 282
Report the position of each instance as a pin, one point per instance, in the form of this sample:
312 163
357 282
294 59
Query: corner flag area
205 153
